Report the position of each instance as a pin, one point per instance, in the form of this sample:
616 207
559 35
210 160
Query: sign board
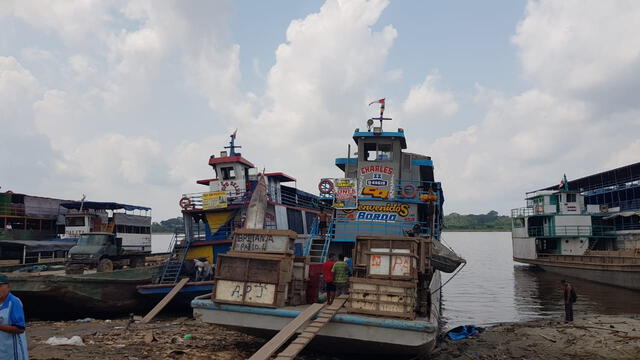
377 181
245 292
345 194
262 243
214 200
385 264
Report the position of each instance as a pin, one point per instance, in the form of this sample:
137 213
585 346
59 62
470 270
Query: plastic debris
74 340
463 332
85 320
188 337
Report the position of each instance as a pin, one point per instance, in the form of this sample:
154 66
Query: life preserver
325 186
185 202
409 191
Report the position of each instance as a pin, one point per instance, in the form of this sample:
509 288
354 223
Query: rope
451 278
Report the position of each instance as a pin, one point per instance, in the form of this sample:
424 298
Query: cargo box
383 297
263 241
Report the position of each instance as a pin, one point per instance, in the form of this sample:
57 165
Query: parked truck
102 251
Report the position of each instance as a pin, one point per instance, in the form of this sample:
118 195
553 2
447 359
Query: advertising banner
377 181
214 200
345 194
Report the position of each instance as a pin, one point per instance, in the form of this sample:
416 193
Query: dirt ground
596 337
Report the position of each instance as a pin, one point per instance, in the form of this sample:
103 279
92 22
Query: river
492 288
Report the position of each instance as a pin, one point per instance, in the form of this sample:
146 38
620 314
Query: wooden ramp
311 330
164 301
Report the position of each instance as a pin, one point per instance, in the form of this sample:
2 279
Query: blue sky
125 100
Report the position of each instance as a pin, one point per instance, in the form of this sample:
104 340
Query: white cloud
427 103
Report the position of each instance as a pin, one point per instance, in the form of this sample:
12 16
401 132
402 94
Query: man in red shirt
328 278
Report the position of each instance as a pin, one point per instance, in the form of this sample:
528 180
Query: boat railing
345 229
592 259
522 212
624 205
10 209
570 230
300 200
233 198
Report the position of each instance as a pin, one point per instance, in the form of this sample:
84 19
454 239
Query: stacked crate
258 270
299 282
386 274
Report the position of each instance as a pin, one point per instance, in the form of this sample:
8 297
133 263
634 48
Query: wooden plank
308 334
285 334
164 301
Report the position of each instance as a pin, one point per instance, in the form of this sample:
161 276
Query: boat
588 228
386 216
88 295
210 217
29 229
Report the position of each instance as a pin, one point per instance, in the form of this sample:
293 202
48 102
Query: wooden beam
164 301
265 352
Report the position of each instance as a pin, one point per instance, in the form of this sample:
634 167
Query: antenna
232 147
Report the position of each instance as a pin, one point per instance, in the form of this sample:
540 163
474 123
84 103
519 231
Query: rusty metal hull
91 295
626 276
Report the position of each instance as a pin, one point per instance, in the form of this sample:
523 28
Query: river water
492 288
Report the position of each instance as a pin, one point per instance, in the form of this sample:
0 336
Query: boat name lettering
252 242
375 192
376 169
366 215
257 289
377 182
400 209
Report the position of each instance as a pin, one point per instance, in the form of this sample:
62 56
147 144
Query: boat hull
346 333
623 276
90 295
181 301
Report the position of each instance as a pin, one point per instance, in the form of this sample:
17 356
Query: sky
126 100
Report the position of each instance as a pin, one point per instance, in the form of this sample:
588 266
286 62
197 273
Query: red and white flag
381 101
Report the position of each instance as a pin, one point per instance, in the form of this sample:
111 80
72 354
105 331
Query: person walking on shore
327 275
569 298
13 341
341 275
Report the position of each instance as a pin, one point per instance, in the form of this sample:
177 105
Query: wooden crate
389 257
383 297
297 293
263 241
301 268
253 279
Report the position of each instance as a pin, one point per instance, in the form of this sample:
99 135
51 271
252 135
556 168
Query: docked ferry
587 228
211 216
386 216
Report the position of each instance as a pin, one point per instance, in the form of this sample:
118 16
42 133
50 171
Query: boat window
75 221
228 173
571 197
518 223
377 152
93 239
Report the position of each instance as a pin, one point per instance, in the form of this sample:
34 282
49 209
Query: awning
623 213
94 205
39 245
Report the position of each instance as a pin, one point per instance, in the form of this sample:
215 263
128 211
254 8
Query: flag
234 133
381 101
563 183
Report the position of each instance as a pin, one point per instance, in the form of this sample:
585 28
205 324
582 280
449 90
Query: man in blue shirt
13 341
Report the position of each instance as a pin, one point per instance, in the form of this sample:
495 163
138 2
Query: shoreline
589 337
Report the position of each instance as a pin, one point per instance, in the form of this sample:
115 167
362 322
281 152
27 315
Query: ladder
171 270
317 249
311 330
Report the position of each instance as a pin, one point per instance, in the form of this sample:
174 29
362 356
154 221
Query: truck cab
103 251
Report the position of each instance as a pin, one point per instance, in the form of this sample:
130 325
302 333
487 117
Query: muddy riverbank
593 337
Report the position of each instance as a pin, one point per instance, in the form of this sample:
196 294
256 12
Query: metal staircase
171 270
317 245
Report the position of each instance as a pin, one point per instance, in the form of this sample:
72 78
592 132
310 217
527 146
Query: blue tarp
102 206
463 332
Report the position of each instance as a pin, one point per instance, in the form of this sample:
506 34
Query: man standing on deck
328 278
13 340
569 299
341 275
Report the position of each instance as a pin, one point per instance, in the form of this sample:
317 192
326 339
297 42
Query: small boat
54 294
588 228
